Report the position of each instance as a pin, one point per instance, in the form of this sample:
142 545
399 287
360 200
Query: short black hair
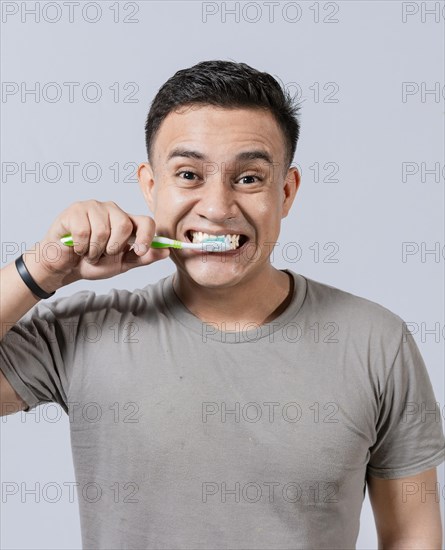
226 84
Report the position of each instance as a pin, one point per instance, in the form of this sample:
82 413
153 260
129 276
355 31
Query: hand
100 232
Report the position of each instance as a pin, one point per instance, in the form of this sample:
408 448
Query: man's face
197 181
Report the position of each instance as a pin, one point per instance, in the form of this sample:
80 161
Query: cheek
171 203
267 213
176 202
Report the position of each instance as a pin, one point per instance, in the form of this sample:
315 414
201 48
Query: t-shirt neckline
245 334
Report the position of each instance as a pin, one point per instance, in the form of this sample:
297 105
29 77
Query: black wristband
29 281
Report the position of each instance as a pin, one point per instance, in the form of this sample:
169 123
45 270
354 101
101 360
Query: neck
257 299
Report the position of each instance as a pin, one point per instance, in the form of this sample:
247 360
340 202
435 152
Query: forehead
220 131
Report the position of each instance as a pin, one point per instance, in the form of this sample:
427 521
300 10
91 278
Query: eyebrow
257 154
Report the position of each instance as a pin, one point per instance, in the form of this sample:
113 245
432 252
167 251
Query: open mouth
237 239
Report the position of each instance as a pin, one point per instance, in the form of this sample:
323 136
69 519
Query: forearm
426 535
15 297
433 542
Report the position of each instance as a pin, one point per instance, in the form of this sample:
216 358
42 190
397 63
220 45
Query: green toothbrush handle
174 244
68 241
159 245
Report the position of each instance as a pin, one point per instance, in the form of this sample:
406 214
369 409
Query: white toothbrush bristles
211 245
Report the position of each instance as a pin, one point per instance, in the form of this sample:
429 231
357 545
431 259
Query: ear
290 188
146 183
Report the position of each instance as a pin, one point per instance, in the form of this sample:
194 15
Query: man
250 406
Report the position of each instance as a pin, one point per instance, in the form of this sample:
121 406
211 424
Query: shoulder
355 314
342 302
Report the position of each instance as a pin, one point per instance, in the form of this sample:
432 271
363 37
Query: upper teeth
199 236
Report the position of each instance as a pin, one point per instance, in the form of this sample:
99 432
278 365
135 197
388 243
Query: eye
186 172
256 177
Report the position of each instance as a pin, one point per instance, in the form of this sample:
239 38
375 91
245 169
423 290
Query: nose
217 201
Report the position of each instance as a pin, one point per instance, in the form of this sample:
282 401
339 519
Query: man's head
225 84
210 128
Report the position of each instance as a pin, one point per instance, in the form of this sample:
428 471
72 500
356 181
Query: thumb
155 254
144 256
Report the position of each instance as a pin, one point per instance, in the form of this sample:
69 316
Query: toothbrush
218 244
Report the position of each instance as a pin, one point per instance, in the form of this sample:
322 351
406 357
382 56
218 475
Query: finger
100 232
130 260
145 228
80 229
121 229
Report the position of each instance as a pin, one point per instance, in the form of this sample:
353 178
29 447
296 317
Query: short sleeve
410 437
35 354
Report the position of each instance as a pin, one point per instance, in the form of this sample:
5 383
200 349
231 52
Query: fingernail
139 247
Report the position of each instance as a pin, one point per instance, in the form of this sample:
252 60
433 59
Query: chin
213 273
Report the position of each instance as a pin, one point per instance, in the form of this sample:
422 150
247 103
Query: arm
100 232
10 401
15 300
15 297
407 511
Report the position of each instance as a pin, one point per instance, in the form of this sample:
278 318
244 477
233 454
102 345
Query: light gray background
369 133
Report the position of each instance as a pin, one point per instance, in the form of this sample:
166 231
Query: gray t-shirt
186 436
